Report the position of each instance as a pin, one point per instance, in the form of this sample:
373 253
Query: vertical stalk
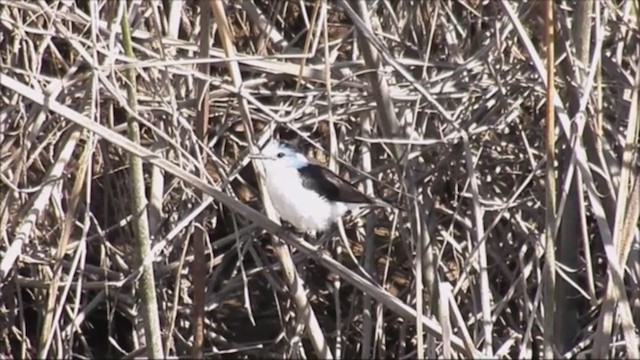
549 273
139 211
199 266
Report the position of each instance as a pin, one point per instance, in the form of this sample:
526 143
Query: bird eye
280 155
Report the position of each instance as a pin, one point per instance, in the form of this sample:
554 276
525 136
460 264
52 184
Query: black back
334 188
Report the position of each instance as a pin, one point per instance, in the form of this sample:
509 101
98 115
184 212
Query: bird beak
258 157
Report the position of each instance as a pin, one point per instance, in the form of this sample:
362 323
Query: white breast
301 207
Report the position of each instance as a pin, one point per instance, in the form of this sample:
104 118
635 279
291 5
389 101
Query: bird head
280 155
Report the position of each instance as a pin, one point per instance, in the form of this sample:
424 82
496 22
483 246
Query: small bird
308 196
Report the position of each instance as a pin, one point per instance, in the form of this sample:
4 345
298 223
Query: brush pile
512 241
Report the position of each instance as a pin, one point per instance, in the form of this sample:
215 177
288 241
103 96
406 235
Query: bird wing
324 181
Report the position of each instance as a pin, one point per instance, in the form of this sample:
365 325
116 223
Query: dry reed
437 106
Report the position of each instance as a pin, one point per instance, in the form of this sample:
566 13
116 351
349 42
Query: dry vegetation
450 127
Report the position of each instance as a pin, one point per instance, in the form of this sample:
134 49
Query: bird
307 195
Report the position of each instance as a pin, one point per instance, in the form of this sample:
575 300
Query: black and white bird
308 196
